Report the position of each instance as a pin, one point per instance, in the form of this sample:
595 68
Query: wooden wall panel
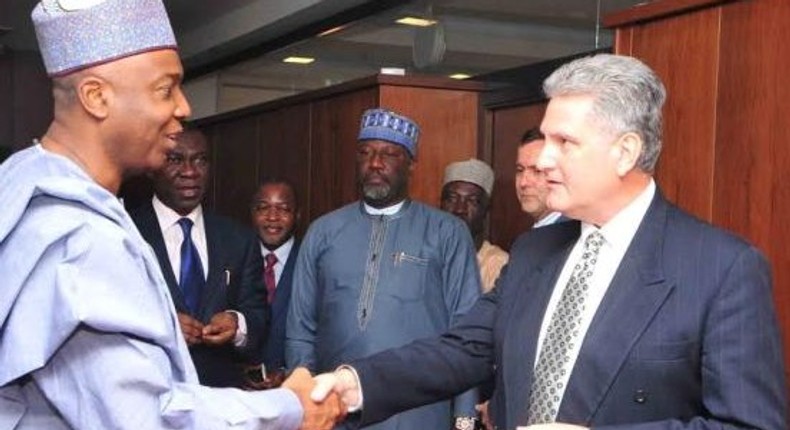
284 149
234 167
311 138
335 127
729 55
448 121
751 194
506 220
684 52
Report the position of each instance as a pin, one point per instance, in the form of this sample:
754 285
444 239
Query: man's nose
376 161
547 157
188 168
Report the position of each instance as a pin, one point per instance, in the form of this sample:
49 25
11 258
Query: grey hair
628 97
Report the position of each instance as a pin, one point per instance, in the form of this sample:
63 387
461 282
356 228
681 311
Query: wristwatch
465 423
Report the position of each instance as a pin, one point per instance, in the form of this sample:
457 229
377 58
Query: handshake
327 398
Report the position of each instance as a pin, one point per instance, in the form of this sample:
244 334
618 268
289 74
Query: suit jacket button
640 396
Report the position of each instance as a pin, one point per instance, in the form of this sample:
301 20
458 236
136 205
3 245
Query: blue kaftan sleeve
302 325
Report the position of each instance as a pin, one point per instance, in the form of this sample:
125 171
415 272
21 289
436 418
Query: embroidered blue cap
77 34
382 124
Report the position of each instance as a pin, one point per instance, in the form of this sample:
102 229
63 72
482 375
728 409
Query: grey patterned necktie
561 335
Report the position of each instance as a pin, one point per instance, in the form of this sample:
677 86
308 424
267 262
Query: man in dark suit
220 298
275 213
638 316
532 188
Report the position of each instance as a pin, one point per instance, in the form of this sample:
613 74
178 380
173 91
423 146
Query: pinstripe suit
686 337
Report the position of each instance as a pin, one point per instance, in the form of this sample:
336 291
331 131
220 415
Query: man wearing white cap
88 333
383 271
466 193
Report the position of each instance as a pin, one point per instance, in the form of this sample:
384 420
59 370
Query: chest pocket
409 274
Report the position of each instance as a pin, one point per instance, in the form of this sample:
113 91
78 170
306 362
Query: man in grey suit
638 316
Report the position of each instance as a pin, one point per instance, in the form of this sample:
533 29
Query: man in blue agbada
88 333
382 272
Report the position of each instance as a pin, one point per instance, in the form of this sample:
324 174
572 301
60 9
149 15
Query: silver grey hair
628 97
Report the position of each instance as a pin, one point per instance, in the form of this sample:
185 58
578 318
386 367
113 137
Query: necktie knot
186 225
594 242
271 260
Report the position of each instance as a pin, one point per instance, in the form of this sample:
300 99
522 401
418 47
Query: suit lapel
149 228
635 295
216 279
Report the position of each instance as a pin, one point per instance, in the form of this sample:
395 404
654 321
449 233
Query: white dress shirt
549 219
282 254
174 236
617 233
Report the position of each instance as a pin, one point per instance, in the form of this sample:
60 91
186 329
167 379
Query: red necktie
268 276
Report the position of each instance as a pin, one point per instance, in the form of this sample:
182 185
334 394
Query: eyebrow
169 77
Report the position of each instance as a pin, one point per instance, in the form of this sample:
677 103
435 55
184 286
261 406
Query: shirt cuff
240 340
358 406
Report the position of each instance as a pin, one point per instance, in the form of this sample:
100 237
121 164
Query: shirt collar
168 217
547 220
282 252
619 231
389 210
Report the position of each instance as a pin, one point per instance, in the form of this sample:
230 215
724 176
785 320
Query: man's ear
630 148
94 95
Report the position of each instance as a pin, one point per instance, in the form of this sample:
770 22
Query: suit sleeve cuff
240 340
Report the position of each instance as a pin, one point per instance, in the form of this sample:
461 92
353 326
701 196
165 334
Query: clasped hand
219 331
319 414
343 383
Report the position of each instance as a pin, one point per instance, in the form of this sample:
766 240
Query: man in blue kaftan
382 272
88 334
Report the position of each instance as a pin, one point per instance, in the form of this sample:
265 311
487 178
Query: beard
384 194
376 193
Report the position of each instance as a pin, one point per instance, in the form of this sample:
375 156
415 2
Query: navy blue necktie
191 280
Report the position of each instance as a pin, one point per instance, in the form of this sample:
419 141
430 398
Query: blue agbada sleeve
89 334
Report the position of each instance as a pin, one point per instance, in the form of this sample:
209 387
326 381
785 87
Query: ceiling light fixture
460 76
331 31
298 60
416 22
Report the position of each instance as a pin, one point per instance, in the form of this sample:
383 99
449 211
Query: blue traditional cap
381 124
77 34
